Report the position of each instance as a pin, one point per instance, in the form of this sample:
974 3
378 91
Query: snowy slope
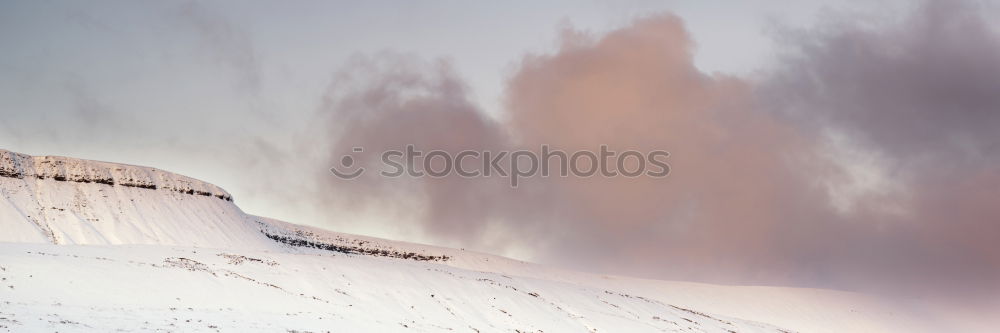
95 246
146 288
794 309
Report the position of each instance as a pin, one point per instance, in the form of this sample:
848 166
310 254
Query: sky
152 84
835 144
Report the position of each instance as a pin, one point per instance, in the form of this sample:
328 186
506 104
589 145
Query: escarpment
64 169
62 200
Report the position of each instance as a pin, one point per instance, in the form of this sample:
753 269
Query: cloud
390 101
919 94
864 160
635 88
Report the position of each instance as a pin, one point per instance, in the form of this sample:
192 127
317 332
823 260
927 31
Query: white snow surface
93 246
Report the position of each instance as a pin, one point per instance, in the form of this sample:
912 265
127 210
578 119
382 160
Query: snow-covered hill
61 200
95 246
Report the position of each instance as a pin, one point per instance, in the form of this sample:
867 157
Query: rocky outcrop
313 238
